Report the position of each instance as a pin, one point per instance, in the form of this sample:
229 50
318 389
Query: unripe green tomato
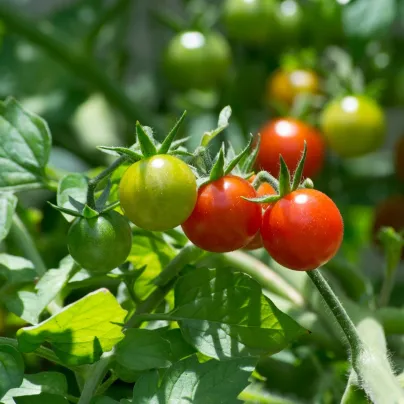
353 125
288 22
158 193
101 243
249 20
197 60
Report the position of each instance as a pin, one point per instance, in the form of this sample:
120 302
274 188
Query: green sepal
65 210
299 169
79 206
181 153
264 199
89 212
229 167
222 124
307 183
102 200
264 176
249 162
218 168
122 151
202 160
202 181
165 146
177 143
284 178
112 206
145 140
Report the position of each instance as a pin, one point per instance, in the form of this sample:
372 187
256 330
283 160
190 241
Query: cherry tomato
389 213
353 125
158 193
399 158
283 86
101 243
249 20
303 230
263 190
286 136
196 60
222 220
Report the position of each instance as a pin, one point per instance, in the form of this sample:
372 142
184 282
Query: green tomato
196 60
353 125
249 20
288 22
101 243
158 193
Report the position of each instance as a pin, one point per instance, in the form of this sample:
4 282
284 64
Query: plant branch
107 384
21 236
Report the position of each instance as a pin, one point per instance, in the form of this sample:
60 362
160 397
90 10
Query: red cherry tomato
286 136
303 230
263 190
222 220
399 158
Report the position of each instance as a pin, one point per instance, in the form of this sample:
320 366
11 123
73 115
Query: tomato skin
283 86
303 230
196 60
399 158
101 243
158 193
353 125
263 190
222 220
286 136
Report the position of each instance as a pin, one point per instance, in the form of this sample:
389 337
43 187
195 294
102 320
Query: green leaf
11 369
8 203
16 271
122 151
284 178
179 347
218 167
165 146
146 143
25 142
299 169
224 315
104 400
81 332
189 381
72 186
51 383
28 304
222 124
368 18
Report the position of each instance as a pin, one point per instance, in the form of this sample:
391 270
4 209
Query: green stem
387 288
72 399
339 313
265 177
21 236
78 62
95 377
92 184
107 384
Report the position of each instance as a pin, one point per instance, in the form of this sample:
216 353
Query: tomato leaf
166 145
16 271
224 315
284 178
218 167
71 186
81 332
25 142
30 302
197 383
8 203
222 124
11 369
39 384
145 141
299 169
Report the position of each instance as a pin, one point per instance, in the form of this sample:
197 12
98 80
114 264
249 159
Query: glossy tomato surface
222 220
286 136
399 158
283 86
303 230
101 243
353 125
158 193
197 60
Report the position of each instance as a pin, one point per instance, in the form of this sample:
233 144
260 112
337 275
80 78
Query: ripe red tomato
286 136
263 190
399 158
283 86
303 230
222 220
389 213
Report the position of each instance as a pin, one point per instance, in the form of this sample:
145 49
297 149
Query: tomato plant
353 125
158 193
389 213
222 220
399 158
303 230
286 137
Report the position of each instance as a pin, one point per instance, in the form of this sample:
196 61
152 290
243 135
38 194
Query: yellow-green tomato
100 243
353 125
197 60
158 193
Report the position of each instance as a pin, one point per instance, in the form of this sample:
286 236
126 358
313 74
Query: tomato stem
339 313
264 176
